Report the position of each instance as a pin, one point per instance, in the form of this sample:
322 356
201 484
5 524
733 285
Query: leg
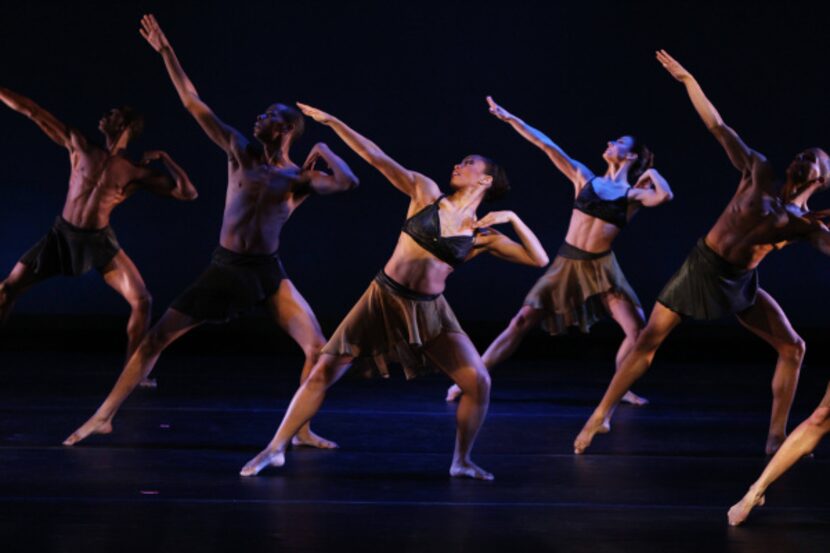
122 275
305 404
661 322
456 355
19 280
506 342
768 321
171 326
801 442
631 319
295 316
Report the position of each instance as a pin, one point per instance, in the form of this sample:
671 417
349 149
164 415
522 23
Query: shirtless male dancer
720 277
80 238
264 188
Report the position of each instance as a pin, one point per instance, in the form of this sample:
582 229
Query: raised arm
415 185
528 251
651 189
48 123
341 177
739 153
223 135
576 172
179 186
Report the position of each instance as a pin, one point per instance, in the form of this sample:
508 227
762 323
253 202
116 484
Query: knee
819 416
7 293
312 349
318 379
142 301
793 350
522 322
153 342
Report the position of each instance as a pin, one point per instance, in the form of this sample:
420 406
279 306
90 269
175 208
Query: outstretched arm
739 153
341 177
50 124
223 135
576 172
179 186
528 251
413 184
651 189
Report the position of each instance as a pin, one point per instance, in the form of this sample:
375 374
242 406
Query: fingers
491 102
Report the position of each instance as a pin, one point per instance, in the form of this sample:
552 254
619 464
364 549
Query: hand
495 218
316 114
153 34
316 153
646 180
497 110
675 69
152 155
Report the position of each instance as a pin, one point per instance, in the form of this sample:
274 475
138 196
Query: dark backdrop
413 78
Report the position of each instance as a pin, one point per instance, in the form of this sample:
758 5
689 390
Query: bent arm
54 128
341 178
179 186
528 251
651 189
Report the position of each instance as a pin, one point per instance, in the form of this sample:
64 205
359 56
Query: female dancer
585 283
403 316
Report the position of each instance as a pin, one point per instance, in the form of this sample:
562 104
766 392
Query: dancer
264 188
81 238
403 316
585 283
720 275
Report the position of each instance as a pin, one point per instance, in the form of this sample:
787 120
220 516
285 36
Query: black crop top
611 211
425 228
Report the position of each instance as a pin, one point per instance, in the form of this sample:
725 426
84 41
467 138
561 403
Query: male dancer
264 188
720 277
81 238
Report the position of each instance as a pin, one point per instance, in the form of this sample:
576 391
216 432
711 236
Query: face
112 122
470 172
271 125
809 166
619 150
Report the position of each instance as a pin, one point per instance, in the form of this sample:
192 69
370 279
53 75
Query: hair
133 120
292 117
500 185
644 161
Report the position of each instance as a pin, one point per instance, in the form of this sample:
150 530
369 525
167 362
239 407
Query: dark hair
500 185
644 161
292 117
132 119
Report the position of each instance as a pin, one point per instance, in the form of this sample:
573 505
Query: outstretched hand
152 33
495 218
497 110
152 155
670 64
318 115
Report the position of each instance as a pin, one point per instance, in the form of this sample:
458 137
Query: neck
277 153
467 199
118 143
798 194
618 172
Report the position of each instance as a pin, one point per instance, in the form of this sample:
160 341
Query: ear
631 155
486 179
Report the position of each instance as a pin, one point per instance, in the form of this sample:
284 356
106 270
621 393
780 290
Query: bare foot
773 443
264 458
468 469
305 437
586 435
740 510
95 425
148 383
633 399
453 393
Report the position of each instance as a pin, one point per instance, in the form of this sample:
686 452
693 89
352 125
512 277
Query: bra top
425 228
611 211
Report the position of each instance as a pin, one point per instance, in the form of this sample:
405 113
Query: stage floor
167 478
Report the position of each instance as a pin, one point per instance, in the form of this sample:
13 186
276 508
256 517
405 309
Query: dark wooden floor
166 479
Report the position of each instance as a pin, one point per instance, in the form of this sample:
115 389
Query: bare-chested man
264 188
720 277
81 238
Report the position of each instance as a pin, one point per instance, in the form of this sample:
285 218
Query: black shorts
708 287
232 283
70 250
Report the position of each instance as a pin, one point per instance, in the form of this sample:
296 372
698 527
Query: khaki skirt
392 323
570 292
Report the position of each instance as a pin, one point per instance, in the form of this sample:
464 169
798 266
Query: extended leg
634 365
295 316
767 320
631 319
19 280
171 326
456 355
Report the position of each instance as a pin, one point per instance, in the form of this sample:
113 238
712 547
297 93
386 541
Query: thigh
625 313
21 278
660 324
122 275
293 313
767 320
455 354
